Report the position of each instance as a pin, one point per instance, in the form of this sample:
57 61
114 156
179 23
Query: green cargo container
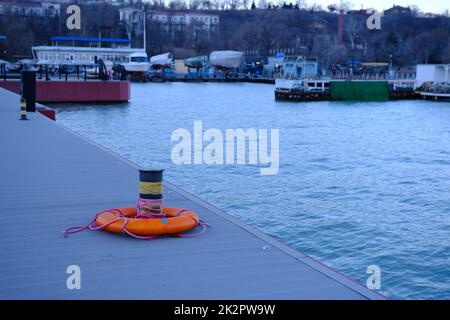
359 90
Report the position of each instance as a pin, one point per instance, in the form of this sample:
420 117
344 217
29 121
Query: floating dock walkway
51 179
80 91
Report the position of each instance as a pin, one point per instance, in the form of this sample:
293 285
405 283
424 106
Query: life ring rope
150 208
93 225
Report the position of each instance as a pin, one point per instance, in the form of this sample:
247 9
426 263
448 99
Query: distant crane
342 7
341 28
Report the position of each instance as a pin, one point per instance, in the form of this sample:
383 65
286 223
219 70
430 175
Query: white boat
226 59
164 60
88 53
138 63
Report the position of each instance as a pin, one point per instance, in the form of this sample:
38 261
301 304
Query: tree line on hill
260 28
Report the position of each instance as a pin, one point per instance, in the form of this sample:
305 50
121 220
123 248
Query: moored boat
138 63
226 59
163 60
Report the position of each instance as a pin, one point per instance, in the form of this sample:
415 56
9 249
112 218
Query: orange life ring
176 221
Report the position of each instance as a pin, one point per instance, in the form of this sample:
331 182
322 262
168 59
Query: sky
434 6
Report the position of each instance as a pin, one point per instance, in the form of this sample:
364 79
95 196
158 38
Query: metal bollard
150 192
23 109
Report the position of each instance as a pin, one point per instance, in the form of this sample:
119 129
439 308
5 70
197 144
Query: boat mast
145 38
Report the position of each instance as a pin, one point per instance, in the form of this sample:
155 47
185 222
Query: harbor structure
359 90
68 74
273 65
297 67
87 51
180 66
432 73
84 51
433 81
230 261
355 80
60 91
341 89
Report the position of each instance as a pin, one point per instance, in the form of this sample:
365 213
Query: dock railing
344 75
47 72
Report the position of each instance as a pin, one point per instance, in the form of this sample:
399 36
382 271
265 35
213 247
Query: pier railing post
46 73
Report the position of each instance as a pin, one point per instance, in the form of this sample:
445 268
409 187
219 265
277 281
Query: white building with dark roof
31 8
180 20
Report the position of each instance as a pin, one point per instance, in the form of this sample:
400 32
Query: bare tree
177 5
353 29
11 27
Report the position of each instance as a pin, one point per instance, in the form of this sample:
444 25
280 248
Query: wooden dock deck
51 179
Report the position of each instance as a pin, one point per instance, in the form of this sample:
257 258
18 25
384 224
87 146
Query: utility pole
390 63
145 34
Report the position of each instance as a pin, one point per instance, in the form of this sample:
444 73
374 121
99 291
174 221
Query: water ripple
359 183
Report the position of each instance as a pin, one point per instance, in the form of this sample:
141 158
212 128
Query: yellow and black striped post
151 190
23 109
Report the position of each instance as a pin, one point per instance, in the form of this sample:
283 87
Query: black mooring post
150 184
28 89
